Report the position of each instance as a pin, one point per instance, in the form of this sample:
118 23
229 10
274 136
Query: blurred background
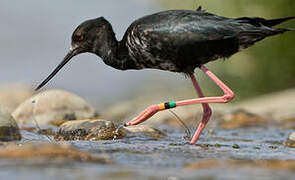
35 36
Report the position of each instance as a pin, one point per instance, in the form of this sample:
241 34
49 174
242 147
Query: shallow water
166 158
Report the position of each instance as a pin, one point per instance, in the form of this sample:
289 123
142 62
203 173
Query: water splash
116 134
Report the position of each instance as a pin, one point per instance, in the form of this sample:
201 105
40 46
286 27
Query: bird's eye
78 38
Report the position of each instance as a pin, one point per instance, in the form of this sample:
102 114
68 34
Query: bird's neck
114 53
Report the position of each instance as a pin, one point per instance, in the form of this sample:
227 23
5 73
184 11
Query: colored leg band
167 105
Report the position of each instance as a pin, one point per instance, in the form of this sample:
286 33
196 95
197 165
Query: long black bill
66 59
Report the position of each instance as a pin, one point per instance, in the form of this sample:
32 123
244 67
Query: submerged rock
53 107
141 131
95 129
290 142
49 152
242 119
9 130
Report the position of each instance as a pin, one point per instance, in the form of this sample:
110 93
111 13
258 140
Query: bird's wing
181 35
185 27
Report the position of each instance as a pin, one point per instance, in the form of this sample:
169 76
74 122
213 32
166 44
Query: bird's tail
248 38
274 22
256 21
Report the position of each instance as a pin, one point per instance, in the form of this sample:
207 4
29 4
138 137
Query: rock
53 107
290 142
95 129
141 131
98 129
9 130
241 119
49 152
13 94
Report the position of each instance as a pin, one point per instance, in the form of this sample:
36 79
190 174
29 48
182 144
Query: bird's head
93 36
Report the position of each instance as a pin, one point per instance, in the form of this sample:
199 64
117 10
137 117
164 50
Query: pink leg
206 111
228 95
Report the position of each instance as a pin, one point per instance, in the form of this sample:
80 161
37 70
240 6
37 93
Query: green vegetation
267 66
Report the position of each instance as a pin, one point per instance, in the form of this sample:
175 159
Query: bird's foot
147 113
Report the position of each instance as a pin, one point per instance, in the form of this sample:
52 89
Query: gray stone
53 107
9 130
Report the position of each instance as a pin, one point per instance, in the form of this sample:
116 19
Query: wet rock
290 142
53 107
95 129
12 95
242 119
9 130
141 131
49 152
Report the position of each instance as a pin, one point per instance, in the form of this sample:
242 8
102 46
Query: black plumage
174 40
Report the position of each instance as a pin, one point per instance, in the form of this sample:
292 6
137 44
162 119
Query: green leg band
172 104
